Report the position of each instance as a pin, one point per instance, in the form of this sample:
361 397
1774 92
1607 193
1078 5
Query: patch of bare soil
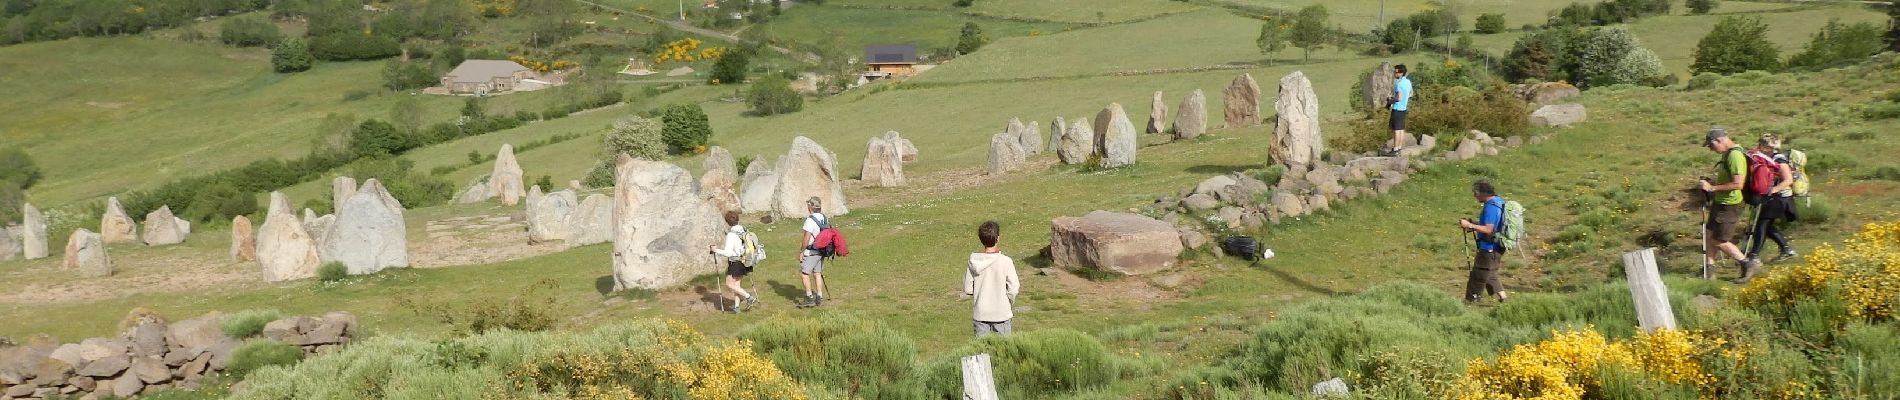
922 186
109 105
168 270
479 239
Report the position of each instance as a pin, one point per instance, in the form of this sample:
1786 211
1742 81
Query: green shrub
1816 209
1490 23
1320 340
1703 80
1699 7
1884 172
375 137
1045 363
412 189
636 137
1868 360
526 311
248 32
353 46
864 356
686 127
1736 44
248 323
773 95
332 271
731 68
257 354
400 75
1838 43
970 38
1882 110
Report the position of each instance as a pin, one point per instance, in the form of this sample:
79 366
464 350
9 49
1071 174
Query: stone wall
149 356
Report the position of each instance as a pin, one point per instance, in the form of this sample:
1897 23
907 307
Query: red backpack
829 243
1760 178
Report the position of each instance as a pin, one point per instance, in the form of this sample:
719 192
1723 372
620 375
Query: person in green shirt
1725 206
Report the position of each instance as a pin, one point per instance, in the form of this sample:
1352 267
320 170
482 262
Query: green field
1065 11
851 29
1674 37
1219 39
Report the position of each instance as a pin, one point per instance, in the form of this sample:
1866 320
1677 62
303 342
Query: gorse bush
1317 341
248 323
1490 23
1572 365
257 354
1862 271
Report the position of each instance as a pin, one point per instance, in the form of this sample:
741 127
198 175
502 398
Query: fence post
1646 288
978 384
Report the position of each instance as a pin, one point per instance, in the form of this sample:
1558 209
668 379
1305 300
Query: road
689 28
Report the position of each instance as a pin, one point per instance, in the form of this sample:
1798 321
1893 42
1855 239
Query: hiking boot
1502 296
806 302
1749 268
1785 256
1708 271
817 300
751 302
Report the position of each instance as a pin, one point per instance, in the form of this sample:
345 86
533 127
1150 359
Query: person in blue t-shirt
1484 266
1401 101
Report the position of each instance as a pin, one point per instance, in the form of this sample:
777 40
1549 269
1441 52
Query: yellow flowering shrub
680 360
683 50
1565 366
1865 269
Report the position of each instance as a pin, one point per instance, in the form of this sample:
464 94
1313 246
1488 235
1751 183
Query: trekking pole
1703 227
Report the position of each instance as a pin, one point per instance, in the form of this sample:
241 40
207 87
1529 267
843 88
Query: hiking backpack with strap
1798 161
828 242
1511 229
1759 179
752 250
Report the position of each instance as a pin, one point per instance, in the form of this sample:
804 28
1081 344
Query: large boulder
285 250
369 234
10 244
548 216
115 226
1030 138
1015 128
757 186
1078 143
905 149
86 252
1116 139
33 233
1296 139
1006 153
1242 100
505 180
243 240
279 202
475 193
1547 92
1287 204
163 228
318 226
661 229
591 222
1055 134
1377 88
883 164
1467 149
1559 115
721 179
1157 114
807 171
1122 243
341 188
1190 120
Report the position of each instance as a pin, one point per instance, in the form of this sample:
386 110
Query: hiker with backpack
1726 204
741 251
1400 101
991 280
1494 235
1774 203
821 242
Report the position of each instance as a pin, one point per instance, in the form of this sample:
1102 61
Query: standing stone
115 226
905 150
279 203
1157 114
1647 290
369 233
1123 243
1005 153
33 235
1378 87
243 241
1117 139
10 243
591 222
341 188
1558 115
661 229
1190 120
534 196
86 252
757 187
719 182
475 193
505 180
548 217
1296 139
806 171
1055 135
161 228
883 164
285 250
1242 99
317 226
1015 128
1078 143
1031 139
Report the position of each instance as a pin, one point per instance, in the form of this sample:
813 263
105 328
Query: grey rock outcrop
505 180
1296 139
1547 92
1242 102
905 149
591 222
86 252
369 234
1190 120
33 233
1122 243
883 164
1055 135
163 228
806 171
1377 88
115 226
341 188
1558 115
285 250
661 229
1006 153
757 186
550 216
10 246
1117 138
1078 143
1157 115
243 240
720 182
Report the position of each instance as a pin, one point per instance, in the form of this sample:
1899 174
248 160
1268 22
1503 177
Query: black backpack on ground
1245 247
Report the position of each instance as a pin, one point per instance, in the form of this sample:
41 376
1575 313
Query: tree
350 46
1639 67
1532 58
399 75
333 132
248 32
290 56
1602 51
1491 23
970 38
731 67
407 114
1838 42
686 127
1736 44
1272 38
1400 35
376 138
17 168
1310 31
773 95
1699 7
473 108
636 137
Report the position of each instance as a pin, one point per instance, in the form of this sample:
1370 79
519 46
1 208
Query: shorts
988 328
1777 208
811 264
737 269
1398 120
1724 222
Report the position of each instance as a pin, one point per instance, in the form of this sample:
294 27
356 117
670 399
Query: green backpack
1513 230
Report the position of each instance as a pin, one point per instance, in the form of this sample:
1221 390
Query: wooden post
978 384
1646 288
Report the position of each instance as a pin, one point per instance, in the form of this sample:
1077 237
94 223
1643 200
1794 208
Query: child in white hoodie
991 281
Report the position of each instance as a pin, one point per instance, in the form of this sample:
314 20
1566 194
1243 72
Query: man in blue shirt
1484 267
1401 100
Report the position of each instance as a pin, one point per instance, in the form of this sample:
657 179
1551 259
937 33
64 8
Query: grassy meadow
1674 37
